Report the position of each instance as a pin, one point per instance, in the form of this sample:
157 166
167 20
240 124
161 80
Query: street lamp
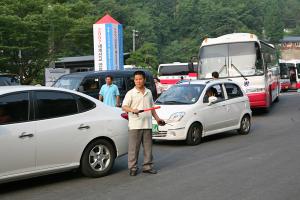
134 34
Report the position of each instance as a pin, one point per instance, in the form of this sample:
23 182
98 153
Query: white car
45 130
191 114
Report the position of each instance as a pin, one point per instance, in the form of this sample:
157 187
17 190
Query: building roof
291 39
75 59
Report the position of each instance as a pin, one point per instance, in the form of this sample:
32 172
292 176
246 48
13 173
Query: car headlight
250 90
175 117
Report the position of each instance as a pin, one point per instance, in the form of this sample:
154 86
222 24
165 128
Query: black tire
194 135
96 162
277 99
245 125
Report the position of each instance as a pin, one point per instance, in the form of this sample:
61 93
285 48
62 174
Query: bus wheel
277 99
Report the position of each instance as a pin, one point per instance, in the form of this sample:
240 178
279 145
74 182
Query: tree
145 57
273 21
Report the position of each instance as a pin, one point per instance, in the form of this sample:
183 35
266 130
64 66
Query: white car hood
167 110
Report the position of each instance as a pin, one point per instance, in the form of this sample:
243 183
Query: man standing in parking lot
140 124
109 93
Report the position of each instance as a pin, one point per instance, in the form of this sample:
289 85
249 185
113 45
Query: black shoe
133 172
150 171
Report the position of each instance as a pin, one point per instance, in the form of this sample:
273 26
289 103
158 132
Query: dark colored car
6 80
90 82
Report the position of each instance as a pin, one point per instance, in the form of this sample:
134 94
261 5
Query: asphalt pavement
262 165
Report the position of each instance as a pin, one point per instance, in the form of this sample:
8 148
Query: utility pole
134 34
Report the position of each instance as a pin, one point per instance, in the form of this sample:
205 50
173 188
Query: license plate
155 129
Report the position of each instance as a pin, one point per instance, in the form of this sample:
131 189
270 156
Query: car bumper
170 133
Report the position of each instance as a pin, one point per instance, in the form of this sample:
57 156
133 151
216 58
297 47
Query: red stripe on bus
169 81
192 75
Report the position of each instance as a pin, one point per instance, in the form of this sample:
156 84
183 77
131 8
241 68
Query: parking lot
261 165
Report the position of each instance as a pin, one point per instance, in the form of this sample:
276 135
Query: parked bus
170 73
290 73
242 57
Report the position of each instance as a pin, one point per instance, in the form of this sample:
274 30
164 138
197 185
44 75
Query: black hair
215 74
109 76
140 73
157 79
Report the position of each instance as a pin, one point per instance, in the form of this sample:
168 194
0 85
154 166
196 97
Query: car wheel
194 135
245 125
98 158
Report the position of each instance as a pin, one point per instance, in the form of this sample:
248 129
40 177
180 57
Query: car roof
110 72
207 81
20 88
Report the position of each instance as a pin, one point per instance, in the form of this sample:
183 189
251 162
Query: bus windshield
68 82
298 69
284 72
175 70
231 60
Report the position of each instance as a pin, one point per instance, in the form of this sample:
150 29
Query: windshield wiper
236 69
174 102
223 67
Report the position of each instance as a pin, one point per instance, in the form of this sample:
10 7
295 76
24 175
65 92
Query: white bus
245 59
170 73
290 74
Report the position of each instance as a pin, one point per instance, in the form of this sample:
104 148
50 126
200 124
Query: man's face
108 81
139 81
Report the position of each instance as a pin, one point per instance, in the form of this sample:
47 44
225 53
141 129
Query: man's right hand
135 111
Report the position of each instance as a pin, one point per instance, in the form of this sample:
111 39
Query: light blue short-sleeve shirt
109 94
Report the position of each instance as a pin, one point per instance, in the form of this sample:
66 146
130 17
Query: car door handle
24 134
82 126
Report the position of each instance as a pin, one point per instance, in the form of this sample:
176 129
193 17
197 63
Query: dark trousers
136 138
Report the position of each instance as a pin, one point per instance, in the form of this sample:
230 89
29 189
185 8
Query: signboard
108 44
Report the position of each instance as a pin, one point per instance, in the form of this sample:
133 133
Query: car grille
160 134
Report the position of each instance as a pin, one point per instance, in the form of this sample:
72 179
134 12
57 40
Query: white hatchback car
200 108
45 130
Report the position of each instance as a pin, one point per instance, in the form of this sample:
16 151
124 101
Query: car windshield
181 94
230 60
68 82
8 80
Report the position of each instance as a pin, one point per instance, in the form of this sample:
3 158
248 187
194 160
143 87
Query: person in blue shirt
109 93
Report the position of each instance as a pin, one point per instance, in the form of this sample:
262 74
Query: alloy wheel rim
245 124
99 158
196 134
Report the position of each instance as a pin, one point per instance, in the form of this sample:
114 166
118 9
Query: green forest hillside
33 33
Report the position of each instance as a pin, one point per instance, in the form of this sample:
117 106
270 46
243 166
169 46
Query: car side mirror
81 89
212 100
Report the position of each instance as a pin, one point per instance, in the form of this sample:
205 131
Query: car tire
245 125
98 158
194 135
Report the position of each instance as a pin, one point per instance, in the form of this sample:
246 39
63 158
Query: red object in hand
153 108
148 109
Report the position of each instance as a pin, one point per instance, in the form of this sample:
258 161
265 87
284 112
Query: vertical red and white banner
108 44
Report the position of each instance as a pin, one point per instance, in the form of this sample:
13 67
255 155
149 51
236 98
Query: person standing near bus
109 93
140 124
